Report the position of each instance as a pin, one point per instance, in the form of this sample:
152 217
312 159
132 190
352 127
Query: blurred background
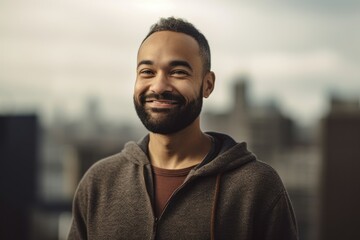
288 83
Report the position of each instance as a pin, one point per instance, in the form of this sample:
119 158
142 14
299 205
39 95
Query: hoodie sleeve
280 223
78 230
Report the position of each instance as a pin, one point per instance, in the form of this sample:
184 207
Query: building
18 174
265 129
340 192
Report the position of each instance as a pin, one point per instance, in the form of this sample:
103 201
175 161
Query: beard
168 120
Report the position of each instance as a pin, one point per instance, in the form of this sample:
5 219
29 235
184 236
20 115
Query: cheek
138 88
190 92
193 88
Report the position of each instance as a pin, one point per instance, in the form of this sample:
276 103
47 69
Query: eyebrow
173 63
176 63
145 62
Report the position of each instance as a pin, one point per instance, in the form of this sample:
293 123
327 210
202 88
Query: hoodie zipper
151 200
157 219
154 228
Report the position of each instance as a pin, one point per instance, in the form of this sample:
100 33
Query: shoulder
264 177
256 180
106 167
117 166
261 172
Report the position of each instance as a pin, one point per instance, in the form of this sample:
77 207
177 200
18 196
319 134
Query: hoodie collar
230 155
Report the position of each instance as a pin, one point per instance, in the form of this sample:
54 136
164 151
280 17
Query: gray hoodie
234 196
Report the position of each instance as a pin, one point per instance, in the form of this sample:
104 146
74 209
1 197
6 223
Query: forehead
169 44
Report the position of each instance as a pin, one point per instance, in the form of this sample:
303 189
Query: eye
179 73
146 73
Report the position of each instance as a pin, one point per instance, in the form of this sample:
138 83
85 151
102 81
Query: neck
182 149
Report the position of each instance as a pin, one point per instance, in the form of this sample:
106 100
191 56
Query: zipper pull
154 228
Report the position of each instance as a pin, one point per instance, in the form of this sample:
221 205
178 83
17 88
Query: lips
162 100
161 103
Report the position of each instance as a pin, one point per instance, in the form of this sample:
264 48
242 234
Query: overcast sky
56 54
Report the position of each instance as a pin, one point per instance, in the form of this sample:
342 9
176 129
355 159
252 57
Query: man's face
168 89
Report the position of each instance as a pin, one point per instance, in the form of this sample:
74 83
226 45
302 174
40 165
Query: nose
160 84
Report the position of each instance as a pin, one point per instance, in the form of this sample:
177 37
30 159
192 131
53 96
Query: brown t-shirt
166 181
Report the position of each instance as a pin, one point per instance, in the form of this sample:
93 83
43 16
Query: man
179 182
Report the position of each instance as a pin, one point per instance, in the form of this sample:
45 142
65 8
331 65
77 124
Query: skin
170 61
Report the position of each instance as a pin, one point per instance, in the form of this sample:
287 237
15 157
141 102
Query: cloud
67 50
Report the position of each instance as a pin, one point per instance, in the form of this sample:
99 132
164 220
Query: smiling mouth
161 103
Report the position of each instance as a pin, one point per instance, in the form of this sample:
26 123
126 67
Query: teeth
166 102
162 101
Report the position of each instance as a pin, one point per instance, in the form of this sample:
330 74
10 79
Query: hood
231 155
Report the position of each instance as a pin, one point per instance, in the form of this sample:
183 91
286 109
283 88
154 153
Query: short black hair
182 26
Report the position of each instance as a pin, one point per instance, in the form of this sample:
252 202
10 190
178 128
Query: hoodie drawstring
214 206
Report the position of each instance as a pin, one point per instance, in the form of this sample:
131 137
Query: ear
208 84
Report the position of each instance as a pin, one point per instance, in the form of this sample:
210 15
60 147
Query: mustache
162 96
